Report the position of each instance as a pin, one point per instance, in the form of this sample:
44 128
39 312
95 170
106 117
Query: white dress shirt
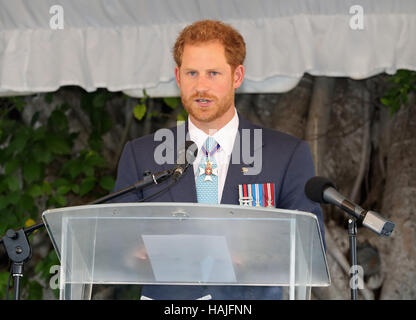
225 137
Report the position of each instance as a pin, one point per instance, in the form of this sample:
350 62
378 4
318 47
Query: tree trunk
318 120
399 204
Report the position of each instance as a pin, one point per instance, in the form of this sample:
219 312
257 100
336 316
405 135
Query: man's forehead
207 55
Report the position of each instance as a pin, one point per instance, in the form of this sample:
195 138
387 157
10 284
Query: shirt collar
225 136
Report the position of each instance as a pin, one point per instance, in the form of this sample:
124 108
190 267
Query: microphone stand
352 234
18 246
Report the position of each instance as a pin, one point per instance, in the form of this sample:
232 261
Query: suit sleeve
299 170
127 175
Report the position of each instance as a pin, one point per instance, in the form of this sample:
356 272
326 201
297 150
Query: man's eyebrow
209 69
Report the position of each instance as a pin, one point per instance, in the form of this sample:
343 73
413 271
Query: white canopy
127 44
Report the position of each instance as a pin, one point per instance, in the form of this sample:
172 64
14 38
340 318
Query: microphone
322 190
148 179
186 156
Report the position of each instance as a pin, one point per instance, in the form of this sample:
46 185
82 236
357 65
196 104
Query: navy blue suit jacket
286 162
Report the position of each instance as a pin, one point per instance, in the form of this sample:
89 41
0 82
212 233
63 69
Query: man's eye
213 73
192 73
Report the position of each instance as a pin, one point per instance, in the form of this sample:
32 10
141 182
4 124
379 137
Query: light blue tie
207 174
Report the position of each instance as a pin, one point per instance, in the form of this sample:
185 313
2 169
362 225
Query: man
209 57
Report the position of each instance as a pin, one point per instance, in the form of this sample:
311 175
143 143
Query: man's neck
211 127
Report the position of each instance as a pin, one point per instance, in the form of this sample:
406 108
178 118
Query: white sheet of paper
189 258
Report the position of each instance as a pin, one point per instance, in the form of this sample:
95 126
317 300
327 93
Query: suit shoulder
281 137
153 138
271 136
276 138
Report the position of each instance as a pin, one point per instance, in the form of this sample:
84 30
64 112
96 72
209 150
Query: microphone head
187 154
315 187
191 151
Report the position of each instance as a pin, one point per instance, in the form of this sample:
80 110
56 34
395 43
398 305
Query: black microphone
322 190
148 179
186 157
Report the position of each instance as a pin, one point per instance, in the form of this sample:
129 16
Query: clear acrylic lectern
186 243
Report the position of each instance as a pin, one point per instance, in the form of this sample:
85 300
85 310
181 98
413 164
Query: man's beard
220 106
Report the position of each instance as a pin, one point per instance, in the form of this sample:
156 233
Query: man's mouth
203 102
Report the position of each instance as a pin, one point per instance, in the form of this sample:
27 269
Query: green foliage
30 158
173 103
140 109
4 276
183 115
94 105
39 168
400 85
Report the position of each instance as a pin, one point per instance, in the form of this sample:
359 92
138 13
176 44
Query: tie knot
210 143
210 146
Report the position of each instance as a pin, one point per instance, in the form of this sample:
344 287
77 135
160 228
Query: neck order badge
207 180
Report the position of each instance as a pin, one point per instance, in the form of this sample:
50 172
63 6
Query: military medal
208 170
257 195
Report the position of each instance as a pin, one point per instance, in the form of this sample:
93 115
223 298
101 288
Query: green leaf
19 141
62 190
14 197
60 200
74 168
4 202
75 188
49 97
58 120
35 190
58 145
18 102
35 291
32 171
93 158
41 153
11 166
60 182
173 103
99 100
4 277
107 183
27 202
182 116
87 185
88 170
39 134
385 101
13 183
139 111
46 188
95 142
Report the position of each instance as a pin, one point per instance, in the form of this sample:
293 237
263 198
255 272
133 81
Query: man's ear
238 76
177 77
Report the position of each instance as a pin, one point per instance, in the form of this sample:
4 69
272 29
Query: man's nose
202 84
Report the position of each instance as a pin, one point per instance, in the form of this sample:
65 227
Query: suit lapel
184 189
235 174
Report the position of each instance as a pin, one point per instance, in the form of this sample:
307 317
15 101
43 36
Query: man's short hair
212 30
